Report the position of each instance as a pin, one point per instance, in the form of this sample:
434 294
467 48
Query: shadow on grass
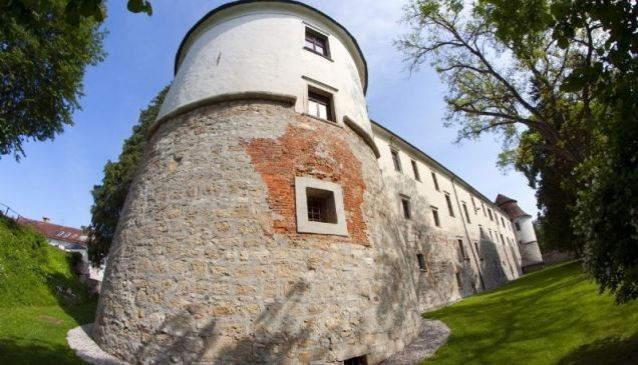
609 351
19 351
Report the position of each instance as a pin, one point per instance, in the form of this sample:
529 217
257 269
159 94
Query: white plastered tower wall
256 48
528 242
524 231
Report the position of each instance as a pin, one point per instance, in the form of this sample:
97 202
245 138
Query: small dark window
436 182
502 239
317 43
458 280
405 205
359 360
396 160
518 227
476 247
462 255
415 169
449 205
421 260
502 222
467 215
474 206
321 205
435 215
320 106
483 206
489 211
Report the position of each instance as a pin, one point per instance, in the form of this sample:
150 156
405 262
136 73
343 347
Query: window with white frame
319 207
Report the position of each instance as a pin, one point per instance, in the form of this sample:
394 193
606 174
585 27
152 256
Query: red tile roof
56 231
510 207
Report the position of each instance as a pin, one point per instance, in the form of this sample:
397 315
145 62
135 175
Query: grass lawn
37 334
553 316
34 315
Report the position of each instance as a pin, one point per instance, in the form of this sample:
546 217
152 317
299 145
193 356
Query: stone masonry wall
206 267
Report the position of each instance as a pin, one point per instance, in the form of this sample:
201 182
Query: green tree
42 63
607 217
45 46
556 78
109 197
506 75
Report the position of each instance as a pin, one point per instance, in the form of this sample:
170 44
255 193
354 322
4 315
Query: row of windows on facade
462 256
417 176
407 214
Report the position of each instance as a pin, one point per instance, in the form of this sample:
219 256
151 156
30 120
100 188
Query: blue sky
56 177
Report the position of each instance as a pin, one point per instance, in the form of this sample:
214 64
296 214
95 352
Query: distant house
71 240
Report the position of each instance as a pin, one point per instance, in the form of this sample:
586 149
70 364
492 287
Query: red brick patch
318 150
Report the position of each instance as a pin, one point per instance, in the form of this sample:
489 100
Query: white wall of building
485 250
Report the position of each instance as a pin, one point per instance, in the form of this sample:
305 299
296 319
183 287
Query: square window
415 169
436 182
458 280
317 43
405 206
462 255
320 105
467 215
319 206
476 247
359 360
518 227
435 215
395 159
449 204
421 260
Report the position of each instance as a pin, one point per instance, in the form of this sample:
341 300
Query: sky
55 178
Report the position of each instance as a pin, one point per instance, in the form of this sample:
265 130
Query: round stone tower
523 231
256 230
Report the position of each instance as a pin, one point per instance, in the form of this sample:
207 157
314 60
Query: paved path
433 336
81 342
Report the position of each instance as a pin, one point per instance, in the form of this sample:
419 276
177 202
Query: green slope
554 316
34 318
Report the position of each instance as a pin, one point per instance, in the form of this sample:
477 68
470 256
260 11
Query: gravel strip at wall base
81 342
433 336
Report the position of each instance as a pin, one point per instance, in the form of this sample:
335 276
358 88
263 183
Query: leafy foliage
45 46
30 268
42 62
109 197
557 80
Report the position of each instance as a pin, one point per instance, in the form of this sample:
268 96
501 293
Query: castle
272 222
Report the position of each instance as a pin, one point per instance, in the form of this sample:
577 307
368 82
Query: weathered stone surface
207 265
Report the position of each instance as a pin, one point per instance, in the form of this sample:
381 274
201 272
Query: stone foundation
207 267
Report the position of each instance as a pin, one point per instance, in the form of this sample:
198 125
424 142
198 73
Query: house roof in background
56 231
510 207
